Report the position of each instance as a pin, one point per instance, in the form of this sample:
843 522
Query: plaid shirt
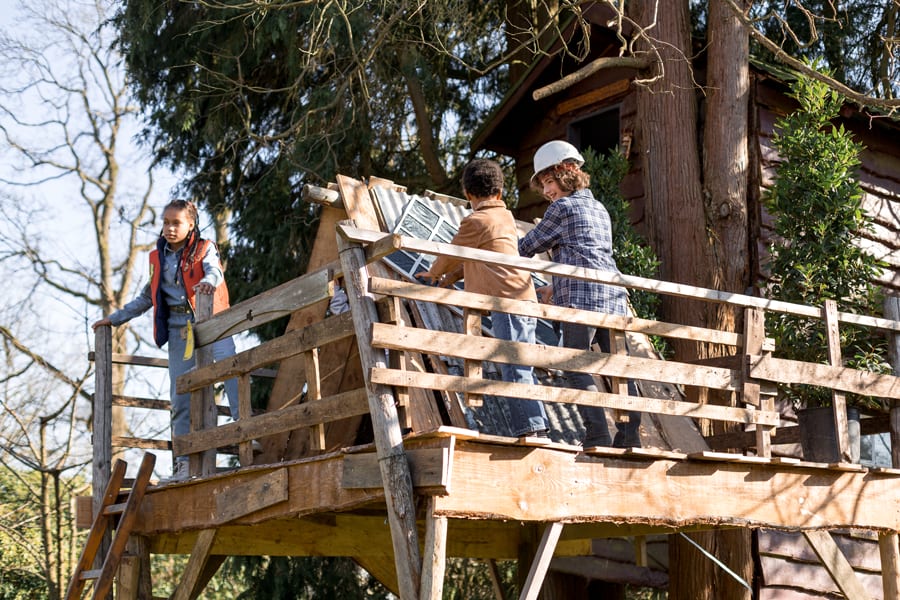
576 230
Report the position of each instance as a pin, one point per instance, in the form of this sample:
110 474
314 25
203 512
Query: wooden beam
541 562
429 468
838 398
290 344
203 413
248 498
435 554
641 283
754 334
836 564
272 304
681 492
540 355
454 383
781 370
101 463
199 555
890 564
396 478
484 303
332 408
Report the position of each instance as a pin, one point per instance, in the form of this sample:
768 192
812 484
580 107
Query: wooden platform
491 488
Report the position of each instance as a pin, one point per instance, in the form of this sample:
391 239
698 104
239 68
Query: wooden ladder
105 519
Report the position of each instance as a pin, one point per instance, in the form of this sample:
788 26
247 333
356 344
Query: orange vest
191 274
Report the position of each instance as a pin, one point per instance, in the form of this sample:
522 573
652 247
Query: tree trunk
697 224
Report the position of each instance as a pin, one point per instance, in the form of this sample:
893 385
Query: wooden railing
750 377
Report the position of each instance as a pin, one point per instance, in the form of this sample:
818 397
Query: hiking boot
180 472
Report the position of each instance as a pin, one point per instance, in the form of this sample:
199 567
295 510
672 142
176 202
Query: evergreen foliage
632 253
817 206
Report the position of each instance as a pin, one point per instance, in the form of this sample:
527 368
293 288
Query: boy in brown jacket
491 226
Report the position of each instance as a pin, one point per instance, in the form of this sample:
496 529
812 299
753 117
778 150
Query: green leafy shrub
819 218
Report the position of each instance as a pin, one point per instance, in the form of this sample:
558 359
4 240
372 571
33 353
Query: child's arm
212 271
141 304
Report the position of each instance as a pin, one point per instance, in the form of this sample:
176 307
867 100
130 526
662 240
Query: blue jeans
581 337
178 366
528 416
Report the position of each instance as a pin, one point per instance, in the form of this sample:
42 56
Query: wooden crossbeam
455 383
631 281
836 564
272 304
840 378
484 303
541 563
332 408
539 355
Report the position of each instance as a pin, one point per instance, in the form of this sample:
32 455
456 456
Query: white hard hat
553 153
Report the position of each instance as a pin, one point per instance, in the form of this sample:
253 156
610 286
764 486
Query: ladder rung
88 575
114 509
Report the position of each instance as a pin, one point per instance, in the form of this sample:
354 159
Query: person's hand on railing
444 280
545 294
101 322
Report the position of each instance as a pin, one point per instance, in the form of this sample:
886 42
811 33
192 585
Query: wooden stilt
836 564
385 423
541 562
890 564
435 559
186 589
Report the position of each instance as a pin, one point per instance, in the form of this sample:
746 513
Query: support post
890 564
754 335
541 563
472 368
203 404
892 311
435 559
102 429
838 399
392 459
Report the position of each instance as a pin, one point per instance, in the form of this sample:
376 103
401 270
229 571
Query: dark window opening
599 131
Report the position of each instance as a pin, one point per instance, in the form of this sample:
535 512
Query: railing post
838 399
892 311
754 336
102 427
392 460
472 368
203 404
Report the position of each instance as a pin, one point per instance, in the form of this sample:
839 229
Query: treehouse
384 435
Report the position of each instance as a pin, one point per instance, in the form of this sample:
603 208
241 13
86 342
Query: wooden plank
147 403
134 581
394 466
484 303
836 564
684 492
754 335
203 403
246 499
141 443
472 368
890 563
541 563
196 563
245 447
841 378
803 581
102 424
272 304
547 357
290 344
838 398
428 468
314 393
339 406
571 396
630 281
435 554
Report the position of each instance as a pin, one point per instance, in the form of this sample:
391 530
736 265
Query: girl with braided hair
182 266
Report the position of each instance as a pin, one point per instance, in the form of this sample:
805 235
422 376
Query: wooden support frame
754 335
836 564
385 423
435 554
472 367
541 562
203 404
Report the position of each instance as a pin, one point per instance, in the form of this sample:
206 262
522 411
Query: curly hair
567 175
482 178
193 238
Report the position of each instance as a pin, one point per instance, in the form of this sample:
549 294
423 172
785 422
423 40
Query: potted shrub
816 203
